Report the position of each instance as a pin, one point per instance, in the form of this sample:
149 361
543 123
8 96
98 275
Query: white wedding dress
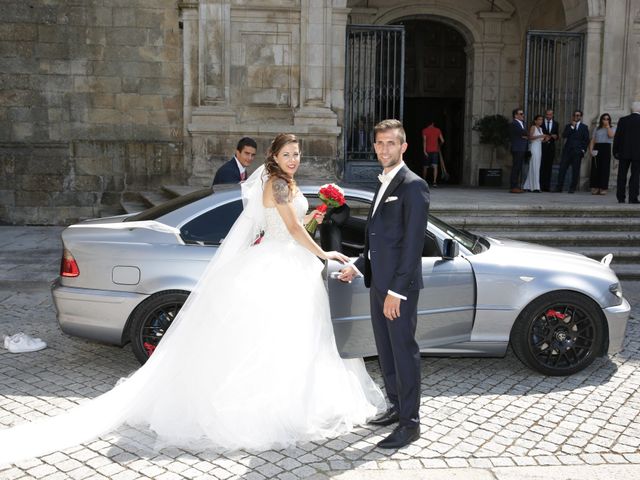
249 363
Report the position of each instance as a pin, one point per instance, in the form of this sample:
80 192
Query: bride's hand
333 255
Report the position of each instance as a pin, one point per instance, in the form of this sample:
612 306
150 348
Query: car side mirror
450 249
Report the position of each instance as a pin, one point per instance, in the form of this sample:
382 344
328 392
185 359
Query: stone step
627 271
154 198
112 211
544 223
179 190
506 210
595 239
133 206
621 255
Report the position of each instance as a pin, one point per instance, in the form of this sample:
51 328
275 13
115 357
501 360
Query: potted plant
494 131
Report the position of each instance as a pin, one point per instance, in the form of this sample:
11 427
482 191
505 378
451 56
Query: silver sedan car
124 279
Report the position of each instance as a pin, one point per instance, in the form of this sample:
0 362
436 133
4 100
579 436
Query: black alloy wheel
151 320
559 333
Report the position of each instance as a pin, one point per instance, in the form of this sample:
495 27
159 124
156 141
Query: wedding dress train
249 363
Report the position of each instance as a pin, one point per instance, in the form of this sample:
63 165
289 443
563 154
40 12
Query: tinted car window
211 227
156 212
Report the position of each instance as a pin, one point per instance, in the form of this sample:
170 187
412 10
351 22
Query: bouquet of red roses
332 196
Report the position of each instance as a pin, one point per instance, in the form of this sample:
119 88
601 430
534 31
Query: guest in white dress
536 137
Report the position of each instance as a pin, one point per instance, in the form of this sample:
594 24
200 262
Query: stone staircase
592 230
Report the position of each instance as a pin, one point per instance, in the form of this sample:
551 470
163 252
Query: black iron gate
554 75
374 90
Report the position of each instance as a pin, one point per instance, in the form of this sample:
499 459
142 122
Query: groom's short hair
390 124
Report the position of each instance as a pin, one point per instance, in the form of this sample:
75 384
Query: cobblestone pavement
480 413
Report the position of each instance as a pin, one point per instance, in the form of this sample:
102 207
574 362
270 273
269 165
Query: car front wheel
152 319
559 333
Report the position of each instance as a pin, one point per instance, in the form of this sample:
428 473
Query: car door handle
334 275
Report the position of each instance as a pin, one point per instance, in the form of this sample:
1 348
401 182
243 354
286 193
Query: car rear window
156 212
211 227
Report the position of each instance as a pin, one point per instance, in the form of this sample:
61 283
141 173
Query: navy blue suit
392 260
626 148
548 154
227 173
519 147
575 145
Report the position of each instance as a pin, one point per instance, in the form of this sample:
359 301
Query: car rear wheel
152 319
559 333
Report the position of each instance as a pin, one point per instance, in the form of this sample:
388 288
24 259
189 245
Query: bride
250 361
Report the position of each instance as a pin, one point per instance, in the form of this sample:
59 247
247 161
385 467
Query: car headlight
616 290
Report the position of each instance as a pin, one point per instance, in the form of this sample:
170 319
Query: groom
392 265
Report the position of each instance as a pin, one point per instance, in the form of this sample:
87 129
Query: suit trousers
634 181
546 165
516 169
399 354
571 158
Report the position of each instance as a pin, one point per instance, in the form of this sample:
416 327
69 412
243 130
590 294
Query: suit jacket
394 236
516 131
552 131
576 138
227 173
626 143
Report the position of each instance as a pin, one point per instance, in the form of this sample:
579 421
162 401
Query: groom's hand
347 274
391 308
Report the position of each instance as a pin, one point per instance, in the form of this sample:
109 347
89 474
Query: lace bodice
274 225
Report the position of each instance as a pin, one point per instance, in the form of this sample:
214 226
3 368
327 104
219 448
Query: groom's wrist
397 295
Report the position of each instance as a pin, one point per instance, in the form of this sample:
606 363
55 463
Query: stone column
488 57
315 64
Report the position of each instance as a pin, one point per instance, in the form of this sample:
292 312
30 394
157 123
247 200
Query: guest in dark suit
235 170
550 128
576 135
519 138
392 266
626 148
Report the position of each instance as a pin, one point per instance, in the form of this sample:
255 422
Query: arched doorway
434 88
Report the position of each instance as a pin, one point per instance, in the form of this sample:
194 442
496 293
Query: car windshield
473 243
156 212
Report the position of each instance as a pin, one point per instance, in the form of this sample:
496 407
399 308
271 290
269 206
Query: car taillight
68 265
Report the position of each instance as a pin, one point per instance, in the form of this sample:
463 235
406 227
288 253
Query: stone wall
258 68
90 105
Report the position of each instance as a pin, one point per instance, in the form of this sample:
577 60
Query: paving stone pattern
481 413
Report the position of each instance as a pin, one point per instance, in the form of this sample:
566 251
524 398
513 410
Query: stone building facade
100 99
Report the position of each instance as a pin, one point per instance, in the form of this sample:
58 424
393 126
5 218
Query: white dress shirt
240 166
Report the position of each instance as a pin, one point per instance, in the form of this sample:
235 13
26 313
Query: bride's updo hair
270 165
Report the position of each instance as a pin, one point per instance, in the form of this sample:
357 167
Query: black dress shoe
634 201
572 191
401 436
387 418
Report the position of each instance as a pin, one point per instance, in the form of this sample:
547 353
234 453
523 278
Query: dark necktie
243 176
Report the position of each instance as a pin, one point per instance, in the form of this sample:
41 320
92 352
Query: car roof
205 199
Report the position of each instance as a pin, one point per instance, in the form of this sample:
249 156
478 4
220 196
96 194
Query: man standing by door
519 142
626 148
576 136
432 139
549 127
392 265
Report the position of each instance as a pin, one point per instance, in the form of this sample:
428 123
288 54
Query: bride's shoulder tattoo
280 190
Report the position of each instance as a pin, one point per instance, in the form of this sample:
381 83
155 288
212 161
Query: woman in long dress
250 361
536 137
600 149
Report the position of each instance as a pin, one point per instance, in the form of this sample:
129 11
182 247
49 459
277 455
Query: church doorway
434 88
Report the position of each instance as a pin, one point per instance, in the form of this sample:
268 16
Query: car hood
528 257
